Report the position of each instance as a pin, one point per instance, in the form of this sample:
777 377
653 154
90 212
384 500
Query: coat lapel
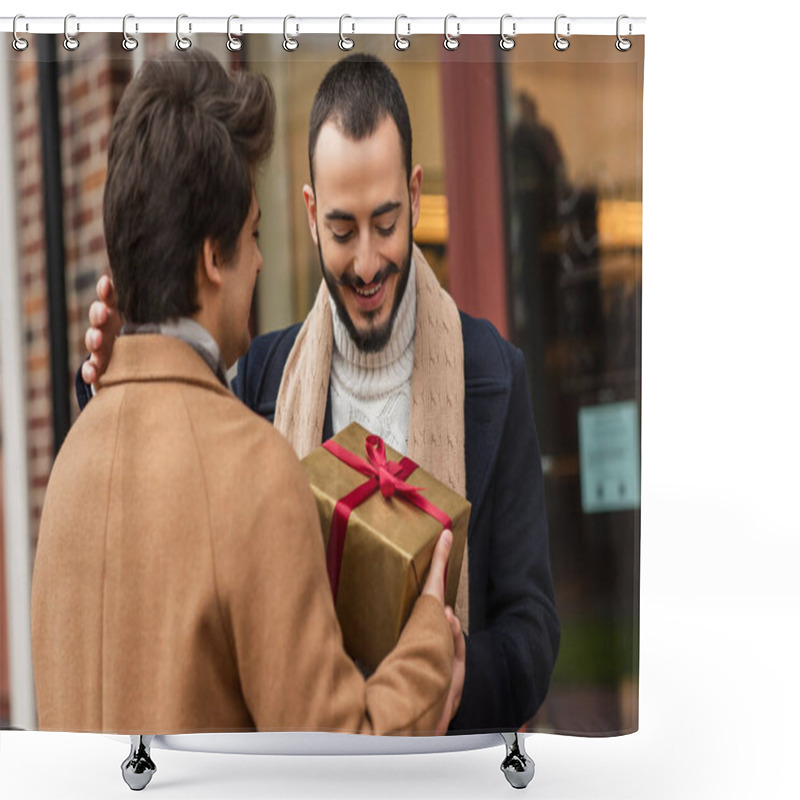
485 408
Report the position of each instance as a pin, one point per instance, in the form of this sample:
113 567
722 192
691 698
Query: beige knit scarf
436 427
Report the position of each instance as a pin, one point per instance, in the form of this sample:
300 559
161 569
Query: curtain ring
400 42
234 43
561 43
70 42
507 42
182 42
623 45
290 43
19 44
451 42
129 43
344 42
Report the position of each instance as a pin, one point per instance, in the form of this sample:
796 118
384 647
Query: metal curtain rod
407 26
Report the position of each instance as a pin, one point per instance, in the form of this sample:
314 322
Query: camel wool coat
180 583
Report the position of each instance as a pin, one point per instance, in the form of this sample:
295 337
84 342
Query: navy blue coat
514 632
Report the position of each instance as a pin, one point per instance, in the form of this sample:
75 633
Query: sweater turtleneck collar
399 342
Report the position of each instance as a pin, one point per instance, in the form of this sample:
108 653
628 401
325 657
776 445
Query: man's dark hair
185 142
358 93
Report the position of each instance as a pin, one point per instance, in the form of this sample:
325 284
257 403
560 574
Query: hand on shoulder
105 324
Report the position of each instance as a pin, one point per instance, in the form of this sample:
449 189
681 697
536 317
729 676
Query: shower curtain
529 217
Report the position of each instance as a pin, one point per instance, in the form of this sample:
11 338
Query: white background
720 607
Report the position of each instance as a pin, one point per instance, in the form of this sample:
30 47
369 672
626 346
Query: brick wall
90 85
91 81
90 90
33 276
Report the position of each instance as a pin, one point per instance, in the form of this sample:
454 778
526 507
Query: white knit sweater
374 389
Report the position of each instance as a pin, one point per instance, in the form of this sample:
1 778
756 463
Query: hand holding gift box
381 516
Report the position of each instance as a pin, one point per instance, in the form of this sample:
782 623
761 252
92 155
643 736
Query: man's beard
374 339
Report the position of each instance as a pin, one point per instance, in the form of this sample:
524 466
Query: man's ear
210 266
415 193
311 210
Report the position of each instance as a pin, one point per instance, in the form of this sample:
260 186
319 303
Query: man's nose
368 261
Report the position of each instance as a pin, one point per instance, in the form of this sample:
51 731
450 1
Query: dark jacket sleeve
512 648
83 392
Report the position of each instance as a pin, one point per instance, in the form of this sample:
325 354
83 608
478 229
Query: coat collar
194 334
153 358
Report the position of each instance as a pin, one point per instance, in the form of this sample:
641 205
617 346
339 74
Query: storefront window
572 132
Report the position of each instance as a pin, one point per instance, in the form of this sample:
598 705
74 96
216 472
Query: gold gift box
387 550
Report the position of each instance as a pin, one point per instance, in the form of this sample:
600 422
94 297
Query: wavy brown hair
184 145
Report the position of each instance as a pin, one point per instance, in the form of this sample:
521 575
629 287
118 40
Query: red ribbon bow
389 477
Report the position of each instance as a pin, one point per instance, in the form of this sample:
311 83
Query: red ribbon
389 477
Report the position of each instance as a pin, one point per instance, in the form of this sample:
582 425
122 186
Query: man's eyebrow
258 216
384 209
337 214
